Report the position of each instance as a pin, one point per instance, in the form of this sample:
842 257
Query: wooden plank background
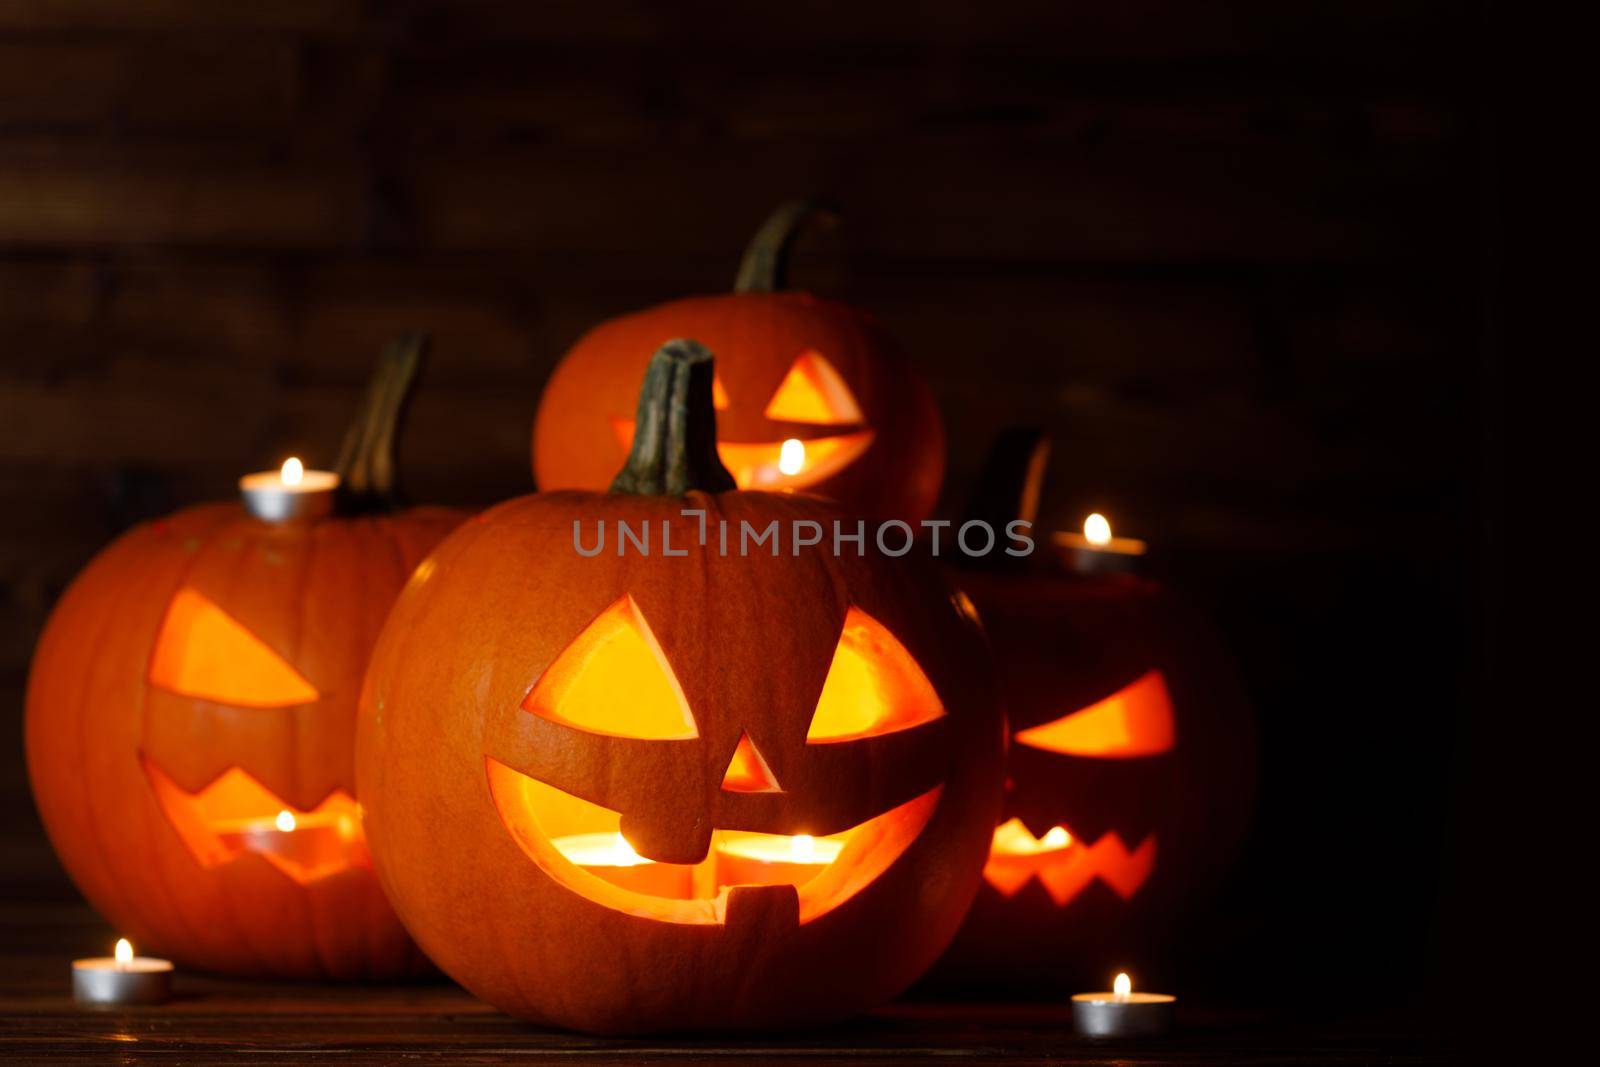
1226 252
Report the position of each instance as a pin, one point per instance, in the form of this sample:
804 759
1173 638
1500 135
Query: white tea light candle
121 978
1096 551
1122 1012
290 492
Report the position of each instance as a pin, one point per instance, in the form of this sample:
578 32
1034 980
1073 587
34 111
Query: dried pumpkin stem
675 431
366 466
1013 474
765 266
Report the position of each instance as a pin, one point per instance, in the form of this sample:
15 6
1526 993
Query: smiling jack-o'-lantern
191 721
1130 769
811 394
679 788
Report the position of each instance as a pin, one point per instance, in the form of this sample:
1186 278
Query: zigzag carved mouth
1064 865
235 814
580 845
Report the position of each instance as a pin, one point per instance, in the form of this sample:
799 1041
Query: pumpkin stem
366 466
675 431
765 266
1013 474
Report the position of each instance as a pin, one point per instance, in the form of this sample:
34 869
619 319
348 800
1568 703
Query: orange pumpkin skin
579 435
316 593
748 642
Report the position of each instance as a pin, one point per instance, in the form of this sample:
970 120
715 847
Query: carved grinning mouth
580 845
235 814
1064 865
763 465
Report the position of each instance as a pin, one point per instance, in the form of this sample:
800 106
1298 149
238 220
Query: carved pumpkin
629 793
1130 769
191 722
811 394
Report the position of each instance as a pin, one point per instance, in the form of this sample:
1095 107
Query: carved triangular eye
1135 721
203 652
873 686
719 395
813 392
612 679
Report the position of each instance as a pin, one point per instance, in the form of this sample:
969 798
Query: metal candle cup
1095 551
1122 1013
291 492
108 981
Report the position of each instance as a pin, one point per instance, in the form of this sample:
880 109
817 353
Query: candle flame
285 821
792 456
1056 837
1097 530
293 471
123 952
1122 986
803 848
622 853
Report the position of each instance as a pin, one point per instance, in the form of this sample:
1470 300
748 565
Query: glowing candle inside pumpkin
309 842
610 856
121 978
1097 550
792 456
773 859
290 492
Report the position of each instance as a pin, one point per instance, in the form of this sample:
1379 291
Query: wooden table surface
214 1021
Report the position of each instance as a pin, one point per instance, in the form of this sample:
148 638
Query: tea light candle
1095 551
121 979
774 860
1122 1012
308 842
609 856
291 492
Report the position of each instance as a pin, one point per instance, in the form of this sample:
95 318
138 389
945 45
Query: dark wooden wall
1227 252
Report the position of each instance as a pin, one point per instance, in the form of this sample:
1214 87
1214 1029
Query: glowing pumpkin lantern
810 394
1130 770
687 790
191 721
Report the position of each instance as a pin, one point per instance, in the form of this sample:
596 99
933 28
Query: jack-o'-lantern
1130 768
811 394
191 721
684 787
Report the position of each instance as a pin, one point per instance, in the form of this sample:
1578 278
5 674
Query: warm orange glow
873 686
203 652
1135 721
719 395
293 471
748 771
813 392
1096 530
123 953
1064 865
612 679
577 843
758 465
1122 986
236 814
792 456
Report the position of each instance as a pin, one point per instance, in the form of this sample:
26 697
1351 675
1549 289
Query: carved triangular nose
748 771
